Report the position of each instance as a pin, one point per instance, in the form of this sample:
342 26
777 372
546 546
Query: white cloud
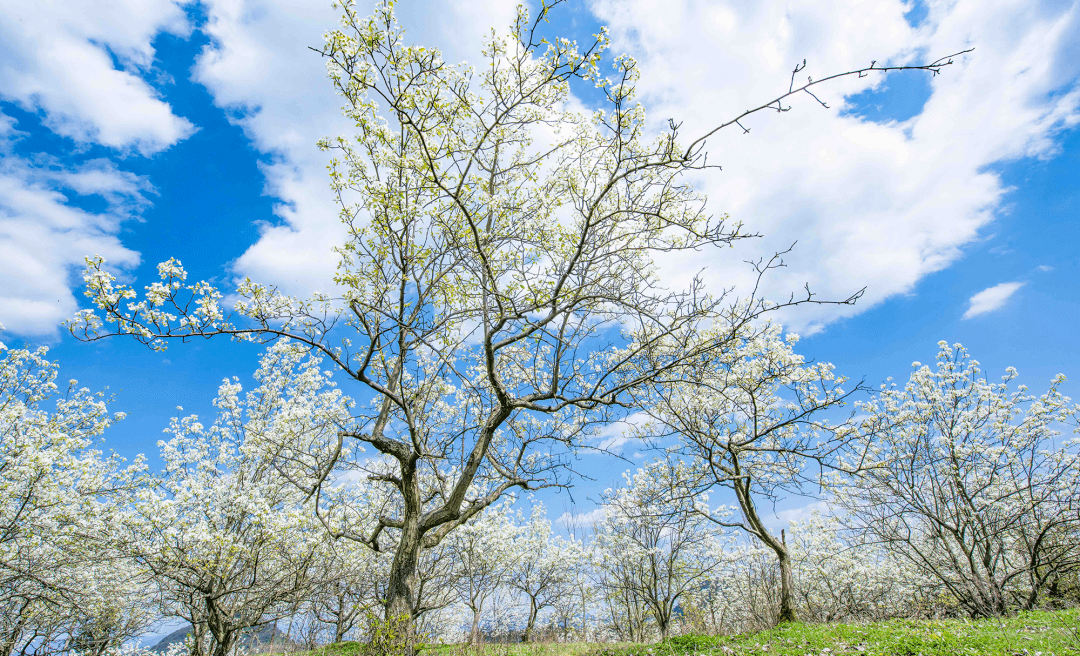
43 237
880 205
583 520
80 66
58 57
615 435
259 66
991 298
871 204
783 518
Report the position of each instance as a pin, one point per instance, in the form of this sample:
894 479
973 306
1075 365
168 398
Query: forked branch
777 103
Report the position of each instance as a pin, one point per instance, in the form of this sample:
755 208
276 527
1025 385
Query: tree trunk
527 636
584 615
198 633
474 634
787 585
225 647
222 629
400 599
779 547
400 591
224 640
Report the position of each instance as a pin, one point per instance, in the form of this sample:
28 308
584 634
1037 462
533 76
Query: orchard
499 305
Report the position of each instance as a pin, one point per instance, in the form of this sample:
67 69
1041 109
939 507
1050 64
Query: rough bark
474 633
223 632
198 634
665 625
533 611
787 583
400 594
343 624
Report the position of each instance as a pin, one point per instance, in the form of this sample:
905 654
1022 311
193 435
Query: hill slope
1027 634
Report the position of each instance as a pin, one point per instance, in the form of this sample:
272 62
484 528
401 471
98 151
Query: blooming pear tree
973 483
750 421
348 587
838 578
650 553
497 290
61 584
226 535
842 579
545 571
483 552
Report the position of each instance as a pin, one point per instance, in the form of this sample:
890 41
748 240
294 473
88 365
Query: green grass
516 649
336 649
1027 634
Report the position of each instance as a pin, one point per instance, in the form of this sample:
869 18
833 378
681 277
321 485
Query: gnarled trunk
400 592
223 632
401 588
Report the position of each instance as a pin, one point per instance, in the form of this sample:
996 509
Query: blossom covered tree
972 483
227 537
749 420
497 291
62 585
545 571
348 587
483 552
650 553
838 578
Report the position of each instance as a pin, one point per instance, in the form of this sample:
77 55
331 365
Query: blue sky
149 129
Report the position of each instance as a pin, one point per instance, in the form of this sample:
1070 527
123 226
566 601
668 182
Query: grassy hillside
1027 634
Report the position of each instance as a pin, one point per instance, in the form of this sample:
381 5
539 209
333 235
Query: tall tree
545 572
227 537
651 552
497 290
483 552
347 588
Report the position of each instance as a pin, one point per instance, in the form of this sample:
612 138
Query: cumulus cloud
58 58
81 68
991 298
783 518
43 236
875 204
258 66
614 436
580 520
